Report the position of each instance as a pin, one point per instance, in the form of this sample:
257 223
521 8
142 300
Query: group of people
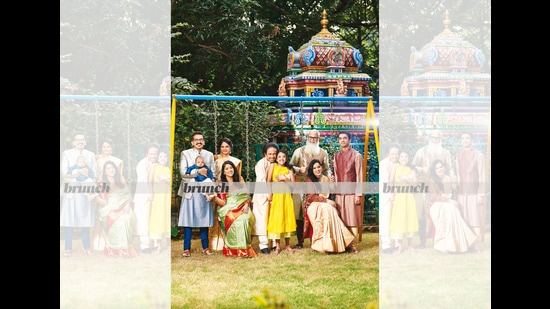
276 211
347 167
152 200
96 195
232 217
434 196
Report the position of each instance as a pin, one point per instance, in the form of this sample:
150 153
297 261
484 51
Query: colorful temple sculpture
446 67
326 66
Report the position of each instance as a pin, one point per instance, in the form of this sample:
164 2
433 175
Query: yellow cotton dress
404 219
159 220
281 221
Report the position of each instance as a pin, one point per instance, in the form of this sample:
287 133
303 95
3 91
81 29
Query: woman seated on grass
234 214
322 222
116 215
452 233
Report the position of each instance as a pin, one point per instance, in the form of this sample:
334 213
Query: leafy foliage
371 200
270 301
95 33
242 46
230 50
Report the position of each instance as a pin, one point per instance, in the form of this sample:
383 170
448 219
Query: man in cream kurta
260 198
386 172
143 197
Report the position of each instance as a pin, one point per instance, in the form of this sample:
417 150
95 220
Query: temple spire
446 22
324 23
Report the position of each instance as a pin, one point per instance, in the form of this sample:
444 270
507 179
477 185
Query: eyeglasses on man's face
313 137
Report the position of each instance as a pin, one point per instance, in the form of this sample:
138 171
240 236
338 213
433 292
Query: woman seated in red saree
322 223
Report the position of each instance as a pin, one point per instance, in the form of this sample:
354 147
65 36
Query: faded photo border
114 63
434 81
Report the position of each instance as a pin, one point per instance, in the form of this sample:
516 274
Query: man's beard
435 148
312 148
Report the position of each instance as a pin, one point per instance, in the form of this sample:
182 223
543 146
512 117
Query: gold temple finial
324 23
446 21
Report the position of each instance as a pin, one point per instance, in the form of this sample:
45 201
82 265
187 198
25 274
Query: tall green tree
113 47
242 46
229 47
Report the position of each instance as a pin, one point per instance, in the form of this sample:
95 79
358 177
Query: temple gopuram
447 66
326 66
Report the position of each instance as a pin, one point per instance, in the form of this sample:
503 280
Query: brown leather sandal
186 253
207 251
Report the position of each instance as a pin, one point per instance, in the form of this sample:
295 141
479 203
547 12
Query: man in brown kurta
348 167
470 167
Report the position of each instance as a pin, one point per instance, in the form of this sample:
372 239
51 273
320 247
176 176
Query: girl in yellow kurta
159 220
281 221
404 220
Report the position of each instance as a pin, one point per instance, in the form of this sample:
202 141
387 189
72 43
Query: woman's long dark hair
236 176
310 173
312 177
435 178
118 178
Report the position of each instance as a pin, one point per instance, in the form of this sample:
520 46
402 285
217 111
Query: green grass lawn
427 278
303 279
